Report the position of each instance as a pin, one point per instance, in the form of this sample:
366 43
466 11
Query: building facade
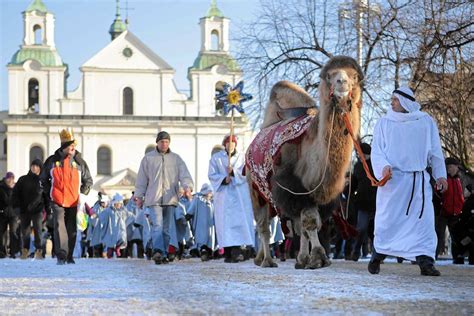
125 97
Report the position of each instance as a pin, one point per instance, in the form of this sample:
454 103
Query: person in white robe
233 207
405 143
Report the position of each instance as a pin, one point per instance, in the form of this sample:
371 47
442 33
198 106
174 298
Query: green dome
46 57
207 60
117 27
37 5
214 10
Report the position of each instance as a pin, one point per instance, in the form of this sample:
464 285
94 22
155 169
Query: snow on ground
136 287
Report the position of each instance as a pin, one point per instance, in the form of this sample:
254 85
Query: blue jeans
161 217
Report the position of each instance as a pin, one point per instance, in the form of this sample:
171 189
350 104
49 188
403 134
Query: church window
150 148
36 152
5 143
219 104
33 96
214 40
104 161
38 34
127 101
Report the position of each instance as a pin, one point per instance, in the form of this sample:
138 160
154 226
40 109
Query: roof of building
207 60
37 5
214 11
45 56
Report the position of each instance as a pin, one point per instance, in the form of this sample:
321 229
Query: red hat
227 139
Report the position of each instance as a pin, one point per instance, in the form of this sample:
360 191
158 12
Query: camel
316 165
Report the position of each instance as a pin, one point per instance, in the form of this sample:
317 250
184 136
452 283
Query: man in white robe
406 142
233 207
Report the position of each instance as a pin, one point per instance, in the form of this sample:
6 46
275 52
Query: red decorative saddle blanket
263 151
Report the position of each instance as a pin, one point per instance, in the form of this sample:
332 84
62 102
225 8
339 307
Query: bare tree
412 42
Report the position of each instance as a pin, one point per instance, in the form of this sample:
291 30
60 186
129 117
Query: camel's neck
328 155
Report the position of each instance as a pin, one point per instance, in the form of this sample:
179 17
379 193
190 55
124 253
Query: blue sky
169 27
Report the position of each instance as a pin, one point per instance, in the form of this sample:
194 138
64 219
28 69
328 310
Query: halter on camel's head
343 77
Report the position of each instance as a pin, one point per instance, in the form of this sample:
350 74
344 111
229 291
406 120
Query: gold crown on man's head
66 136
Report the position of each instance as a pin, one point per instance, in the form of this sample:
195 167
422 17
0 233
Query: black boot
227 254
236 254
205 254
427 266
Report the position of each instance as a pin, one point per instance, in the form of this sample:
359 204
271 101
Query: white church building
123 100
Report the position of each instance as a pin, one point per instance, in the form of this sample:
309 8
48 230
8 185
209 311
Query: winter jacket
6 205
453 198
465 225
365 194
28 194
159 178
64 178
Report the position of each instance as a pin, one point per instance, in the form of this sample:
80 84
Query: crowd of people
164 220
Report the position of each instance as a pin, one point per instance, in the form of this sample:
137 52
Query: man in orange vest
65 175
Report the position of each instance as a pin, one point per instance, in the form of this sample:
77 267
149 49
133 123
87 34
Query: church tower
214 65
36 72
117 27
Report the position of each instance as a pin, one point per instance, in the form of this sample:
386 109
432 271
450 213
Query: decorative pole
232 99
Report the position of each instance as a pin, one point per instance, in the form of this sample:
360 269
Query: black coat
364 193
28 195
465 225
6 205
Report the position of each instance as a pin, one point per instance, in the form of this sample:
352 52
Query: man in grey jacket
160 175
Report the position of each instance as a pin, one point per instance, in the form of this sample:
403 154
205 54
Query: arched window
36 152
127 101
219 104
104 161
214 40
38 34
5 144
33 96
150 148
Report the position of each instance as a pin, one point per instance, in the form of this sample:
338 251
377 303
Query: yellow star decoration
234 97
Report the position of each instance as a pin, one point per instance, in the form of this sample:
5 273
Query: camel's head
341 81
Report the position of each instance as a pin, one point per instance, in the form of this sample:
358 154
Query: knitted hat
162 135
37 162
227 140
9 174
451 161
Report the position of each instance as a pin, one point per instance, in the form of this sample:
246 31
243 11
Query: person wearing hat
364 201
29 198
8 217
64 176
201 211
94 226
405 143
114 221
233 207
451 208
159 177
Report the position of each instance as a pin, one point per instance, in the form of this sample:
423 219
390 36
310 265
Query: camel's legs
303 254
264 258
311 222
